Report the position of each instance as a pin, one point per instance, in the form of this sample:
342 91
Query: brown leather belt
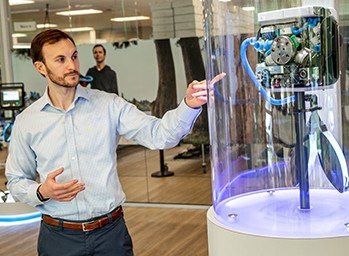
84 226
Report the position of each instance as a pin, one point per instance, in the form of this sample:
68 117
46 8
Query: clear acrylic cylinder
279 119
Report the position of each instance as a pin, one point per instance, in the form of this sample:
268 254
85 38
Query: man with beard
104 78
68 139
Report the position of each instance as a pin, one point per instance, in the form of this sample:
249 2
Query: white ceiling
106 29
44 10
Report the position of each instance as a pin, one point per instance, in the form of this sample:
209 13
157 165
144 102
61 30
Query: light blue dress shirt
83 140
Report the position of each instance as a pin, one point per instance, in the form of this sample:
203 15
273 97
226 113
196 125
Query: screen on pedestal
12 96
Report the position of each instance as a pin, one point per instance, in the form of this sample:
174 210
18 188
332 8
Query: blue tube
317 48
87 79
262 45
8 126
296 31
258 45
313 22
249 71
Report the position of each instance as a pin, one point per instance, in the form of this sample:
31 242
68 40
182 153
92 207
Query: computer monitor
12 96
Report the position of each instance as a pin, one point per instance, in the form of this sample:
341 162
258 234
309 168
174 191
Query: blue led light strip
19 217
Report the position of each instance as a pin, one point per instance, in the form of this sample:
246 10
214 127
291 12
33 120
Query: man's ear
40 67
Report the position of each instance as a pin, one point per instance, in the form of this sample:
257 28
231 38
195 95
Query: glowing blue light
278 214
19 219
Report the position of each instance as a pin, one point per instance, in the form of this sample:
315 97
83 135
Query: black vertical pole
301 162
164 172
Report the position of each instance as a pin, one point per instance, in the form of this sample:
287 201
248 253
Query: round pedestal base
16 213
224 241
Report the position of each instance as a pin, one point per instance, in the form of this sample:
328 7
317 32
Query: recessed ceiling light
131 18
79 12
47 25
248 8
19 2
25 11
21 46
19 35
80 29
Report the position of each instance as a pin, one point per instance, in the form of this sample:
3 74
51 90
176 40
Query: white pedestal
223 241
17 213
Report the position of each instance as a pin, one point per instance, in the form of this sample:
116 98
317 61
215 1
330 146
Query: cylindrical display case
279 120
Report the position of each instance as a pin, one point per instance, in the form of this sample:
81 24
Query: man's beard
59 80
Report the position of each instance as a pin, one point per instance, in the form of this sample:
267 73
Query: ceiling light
21 46
47 25
80 29
131 18
18 2
19 35
25 11
79 12
248 8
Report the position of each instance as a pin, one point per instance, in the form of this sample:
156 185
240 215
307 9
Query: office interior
165 214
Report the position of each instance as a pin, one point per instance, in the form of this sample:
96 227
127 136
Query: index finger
55 173
217 78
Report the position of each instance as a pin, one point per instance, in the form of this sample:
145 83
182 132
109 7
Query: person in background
62 154
104 78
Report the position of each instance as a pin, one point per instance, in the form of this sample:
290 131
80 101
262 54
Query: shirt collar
81 92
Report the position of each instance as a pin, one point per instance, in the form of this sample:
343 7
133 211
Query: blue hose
262 45
311 23
87 79
249 71
6 134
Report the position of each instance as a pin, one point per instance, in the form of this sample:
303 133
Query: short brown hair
99 45
49 36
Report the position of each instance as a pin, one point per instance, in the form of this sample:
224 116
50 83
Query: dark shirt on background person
104 78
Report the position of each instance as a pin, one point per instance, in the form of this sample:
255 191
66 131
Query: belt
84 226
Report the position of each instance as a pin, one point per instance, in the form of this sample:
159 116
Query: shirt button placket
73 156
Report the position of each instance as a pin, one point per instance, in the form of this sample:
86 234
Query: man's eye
60 59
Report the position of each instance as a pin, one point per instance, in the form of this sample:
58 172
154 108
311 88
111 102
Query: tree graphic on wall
195 70
166 98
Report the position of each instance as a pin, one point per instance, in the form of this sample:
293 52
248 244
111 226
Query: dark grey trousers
112 239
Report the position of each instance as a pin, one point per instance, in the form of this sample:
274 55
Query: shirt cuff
32 194
187 113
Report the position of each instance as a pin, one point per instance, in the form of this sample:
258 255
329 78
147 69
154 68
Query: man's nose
71 64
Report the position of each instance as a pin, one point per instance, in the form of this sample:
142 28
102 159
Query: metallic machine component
302 57
269 61
300 44
327 149
282 50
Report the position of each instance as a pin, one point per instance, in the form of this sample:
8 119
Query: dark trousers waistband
84 226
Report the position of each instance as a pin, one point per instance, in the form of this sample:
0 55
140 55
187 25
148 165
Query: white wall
136 67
